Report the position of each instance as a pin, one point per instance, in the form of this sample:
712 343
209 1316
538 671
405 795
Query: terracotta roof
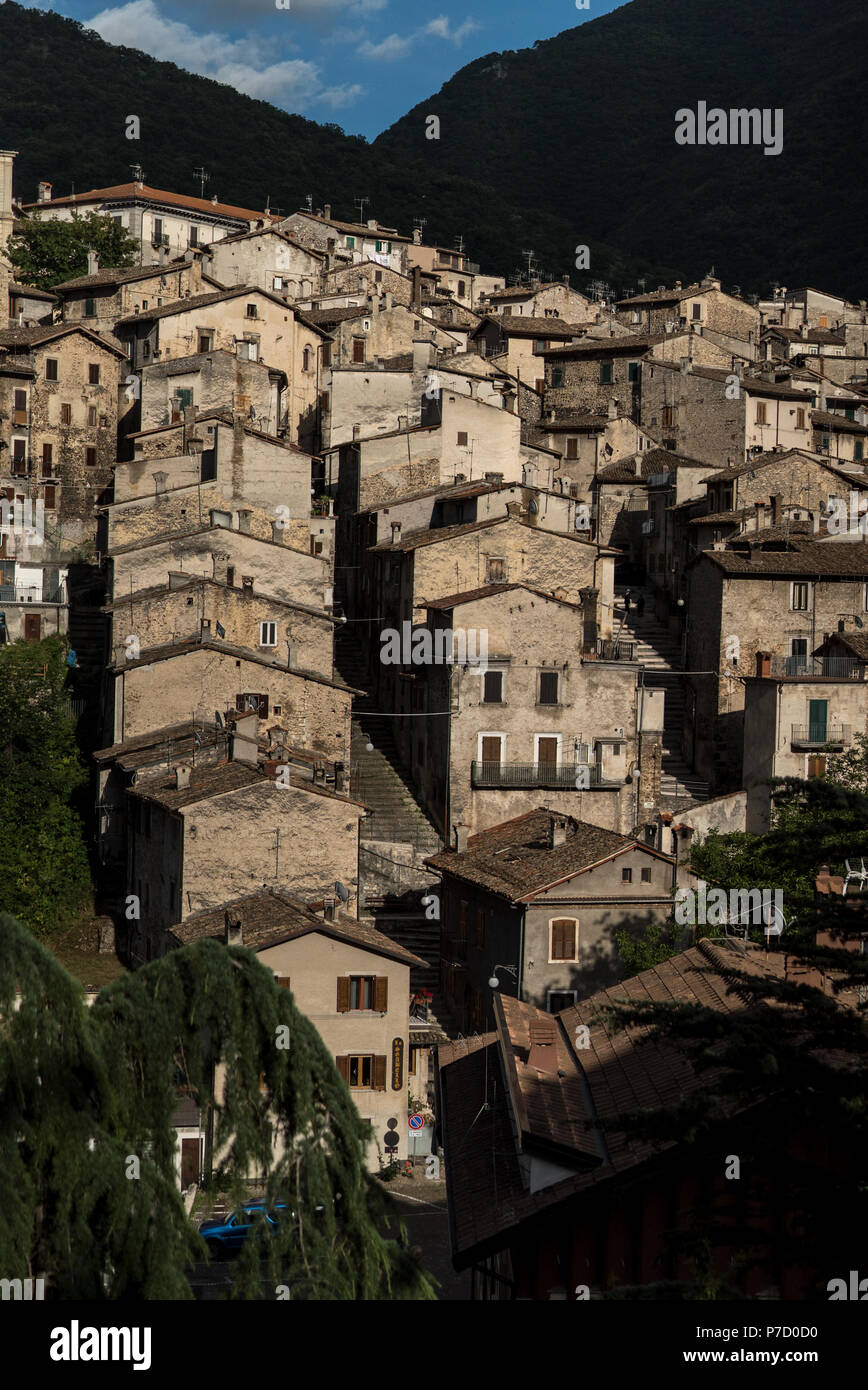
47 332
631 345
831 420
516 861
201 301
122 275
272 916
652 461
377 233
490 591
433 535
142 193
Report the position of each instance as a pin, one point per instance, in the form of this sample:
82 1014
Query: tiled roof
272 916
631 345
856 642
578 422
200 301
349 311
524 326
269 231
813 335
152 739
205 782
489 591
122 275
653 461
377 233
433 535
515 859
29 291
47 332
204 581
779 456
620 1071
831 420
169 651
141 193
665 296
804 556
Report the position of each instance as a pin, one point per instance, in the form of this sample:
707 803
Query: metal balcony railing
31 593
615 649
839 667
819 735
533 774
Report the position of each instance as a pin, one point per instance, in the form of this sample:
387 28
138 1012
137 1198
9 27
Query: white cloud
396 46
245 63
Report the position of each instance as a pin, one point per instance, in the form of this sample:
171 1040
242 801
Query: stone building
348 979
268 258
551 711
347 243
703 305
102 298
206 381
535 902
362 333
552 300
588 375
516 343
59 409
718 415
765 592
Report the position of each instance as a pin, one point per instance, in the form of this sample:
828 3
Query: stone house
218 552
358 282
216 380
201 836
816 308
784 344
587 442
59 411
169 683
348 243
268 258
720 415
703 305
102 298
550 711
186 608
516 342
453 271
34 600
161 222
764 592
840 434
362 333
553 300
798 711
535 902
28 306
585 377
632 498
348 979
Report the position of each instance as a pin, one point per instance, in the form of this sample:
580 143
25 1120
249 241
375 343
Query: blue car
226 1237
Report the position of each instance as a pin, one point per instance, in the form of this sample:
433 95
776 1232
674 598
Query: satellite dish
342 892
859 622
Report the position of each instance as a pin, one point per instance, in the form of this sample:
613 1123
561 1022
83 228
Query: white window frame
263 632
562 960
807 606
491 733
560 739
550 992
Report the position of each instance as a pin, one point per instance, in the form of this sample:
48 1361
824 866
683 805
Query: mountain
584 123
568 143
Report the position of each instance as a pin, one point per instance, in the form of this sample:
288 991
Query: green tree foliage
87 1146
43 858
641 947
45 253
850 768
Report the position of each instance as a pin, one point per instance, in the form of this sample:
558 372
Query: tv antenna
361 204
203 178
420 222
309 201
138 173
459 245
530 260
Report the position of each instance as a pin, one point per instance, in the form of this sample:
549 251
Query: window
858 449
326 354
605 373
158 229
194 236
636 316
800 419
461 288
358 349
633 371
646 875
251 702
90 308
541 385
557 376
572 448
761 413
47 452
363 1072
697 312
66 414
50 497
324 400
146 349
268 634
51 369
626 875
19 408
206 341
351 241
250 311
91 416
305 359
412 1057
480 926
93 373
560 999
90 457
379 245
360 992
540 344
495 570
563 938
548 688
800 597
668 416
492 688
816 764
378 277
461 441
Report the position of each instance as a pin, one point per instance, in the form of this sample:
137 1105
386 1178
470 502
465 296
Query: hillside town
419 625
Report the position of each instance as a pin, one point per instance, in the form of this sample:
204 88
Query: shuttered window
343 1004
282 981
363 1072
563 938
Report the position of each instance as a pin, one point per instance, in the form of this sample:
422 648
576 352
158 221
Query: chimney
803 329
182 776
424 355
329 909
244 739
513 509
389 300
372 224
612 409
637 464
278 531
234 935
462 835
92 263
416 301
543 1052
247 583
375 304
417 236
43 193
396 532
566 280
327 212
763 665
494 477
777 502
558 830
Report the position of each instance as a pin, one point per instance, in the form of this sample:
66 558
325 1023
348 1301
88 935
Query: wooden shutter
343 1066
547 750
381 994
380 1073
491 750
343 994
563 939
282 981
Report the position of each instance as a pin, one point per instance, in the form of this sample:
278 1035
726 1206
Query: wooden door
547 756
32 627
189 1162
491 750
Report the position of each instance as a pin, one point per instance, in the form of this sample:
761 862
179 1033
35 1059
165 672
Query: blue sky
360 63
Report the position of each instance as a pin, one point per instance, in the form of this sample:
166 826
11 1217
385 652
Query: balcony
841 668
615 649
32 593
813 736
533 774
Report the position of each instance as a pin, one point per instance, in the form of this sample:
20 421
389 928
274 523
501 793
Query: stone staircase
660 654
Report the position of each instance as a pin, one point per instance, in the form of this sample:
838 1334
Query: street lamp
494 982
